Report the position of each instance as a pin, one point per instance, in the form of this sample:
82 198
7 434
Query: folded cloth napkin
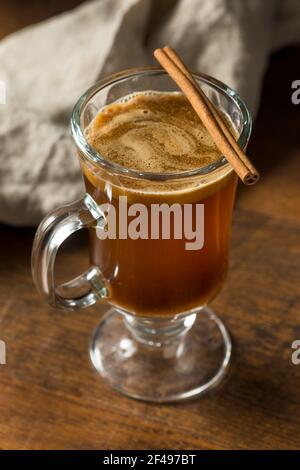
46 67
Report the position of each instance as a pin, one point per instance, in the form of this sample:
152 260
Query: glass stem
157 332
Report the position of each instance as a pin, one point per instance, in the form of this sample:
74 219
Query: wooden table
50 395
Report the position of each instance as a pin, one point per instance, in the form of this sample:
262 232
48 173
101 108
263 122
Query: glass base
161 360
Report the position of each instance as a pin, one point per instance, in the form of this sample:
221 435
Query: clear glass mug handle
55 228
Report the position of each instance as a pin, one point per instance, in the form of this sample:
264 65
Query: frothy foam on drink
153 132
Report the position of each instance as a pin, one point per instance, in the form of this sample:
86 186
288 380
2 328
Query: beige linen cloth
46 67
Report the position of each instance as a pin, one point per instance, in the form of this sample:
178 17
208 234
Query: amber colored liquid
161 277
148 276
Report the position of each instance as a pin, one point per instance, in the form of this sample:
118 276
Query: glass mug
158 340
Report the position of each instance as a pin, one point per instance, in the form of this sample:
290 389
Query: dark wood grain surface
51 397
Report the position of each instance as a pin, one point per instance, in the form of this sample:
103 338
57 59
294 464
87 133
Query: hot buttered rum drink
159 136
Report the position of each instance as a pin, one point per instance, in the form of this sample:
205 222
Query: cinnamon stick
218 130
